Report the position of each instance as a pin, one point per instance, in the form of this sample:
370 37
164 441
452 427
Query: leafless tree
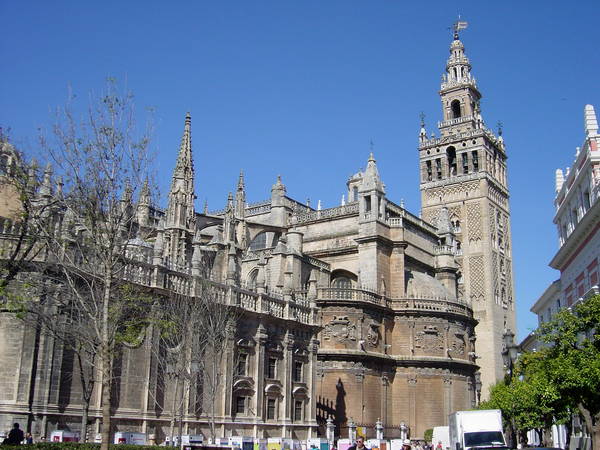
101 160
194 333
220 323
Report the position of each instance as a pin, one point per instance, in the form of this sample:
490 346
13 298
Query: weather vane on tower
459 25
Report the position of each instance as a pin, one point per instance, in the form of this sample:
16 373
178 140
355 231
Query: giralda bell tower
464 170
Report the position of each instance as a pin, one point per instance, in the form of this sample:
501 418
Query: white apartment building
577 220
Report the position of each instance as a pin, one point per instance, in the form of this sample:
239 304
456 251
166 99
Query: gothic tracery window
259 242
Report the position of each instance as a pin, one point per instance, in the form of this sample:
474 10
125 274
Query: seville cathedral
364 312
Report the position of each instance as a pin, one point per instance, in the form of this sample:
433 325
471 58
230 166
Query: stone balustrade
403 304
338 211
258 208
443 250
456 121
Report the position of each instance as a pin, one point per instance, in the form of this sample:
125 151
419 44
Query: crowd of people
407 444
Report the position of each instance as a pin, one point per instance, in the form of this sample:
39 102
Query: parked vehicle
476 429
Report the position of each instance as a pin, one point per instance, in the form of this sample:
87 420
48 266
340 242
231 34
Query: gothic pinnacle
145 193
240 185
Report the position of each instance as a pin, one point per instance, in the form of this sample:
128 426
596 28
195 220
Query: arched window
259 242
355 193
455 105
451 155
252 279
342 283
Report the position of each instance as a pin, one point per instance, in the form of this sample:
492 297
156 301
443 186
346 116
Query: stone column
228 372
261 337
447 396
385 382
412 401
311 381
288 398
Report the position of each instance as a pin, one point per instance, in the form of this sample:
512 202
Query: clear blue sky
299 88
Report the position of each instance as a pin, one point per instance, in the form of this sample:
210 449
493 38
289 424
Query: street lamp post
509 356
509 352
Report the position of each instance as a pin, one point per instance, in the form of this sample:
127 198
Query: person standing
359 445
15 436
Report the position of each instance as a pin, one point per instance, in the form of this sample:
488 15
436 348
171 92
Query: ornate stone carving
429 339
495 269
373 334
450 193
474 222
477 278
341 329
458 343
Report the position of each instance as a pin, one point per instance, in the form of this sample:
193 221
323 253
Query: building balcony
418 305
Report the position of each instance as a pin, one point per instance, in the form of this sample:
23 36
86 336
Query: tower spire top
240 185
459 25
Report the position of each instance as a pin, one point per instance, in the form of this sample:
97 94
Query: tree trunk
173 415
105 406
106 362
213 396
592 423
84 420
595 430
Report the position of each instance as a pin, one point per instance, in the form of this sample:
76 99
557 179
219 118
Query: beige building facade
361 312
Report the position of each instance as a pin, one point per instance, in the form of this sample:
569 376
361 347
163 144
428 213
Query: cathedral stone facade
362 312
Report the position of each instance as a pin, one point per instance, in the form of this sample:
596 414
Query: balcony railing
442 305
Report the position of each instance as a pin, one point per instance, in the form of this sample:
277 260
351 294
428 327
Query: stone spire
145 194
180 210
423 131
278 187
143 207
126 204
371 178
46 186
240 197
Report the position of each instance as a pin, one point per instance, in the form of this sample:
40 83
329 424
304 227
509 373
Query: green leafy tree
571 359
563 376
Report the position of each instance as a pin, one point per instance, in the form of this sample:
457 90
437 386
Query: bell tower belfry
464 170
